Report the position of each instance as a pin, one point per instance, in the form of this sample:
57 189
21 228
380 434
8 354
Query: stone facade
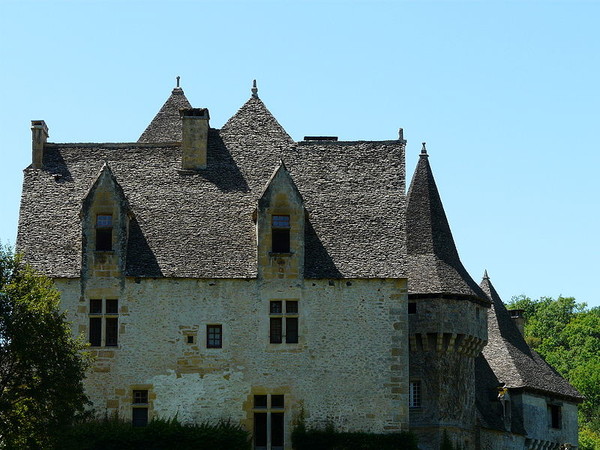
237 274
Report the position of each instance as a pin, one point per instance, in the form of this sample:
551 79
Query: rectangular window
104 228
283 325
139 411
414 394
280 234
269 422
214 336
104 322
412 308
554 416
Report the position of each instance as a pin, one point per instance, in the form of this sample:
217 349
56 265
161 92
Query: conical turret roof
434 265
512 360
166 125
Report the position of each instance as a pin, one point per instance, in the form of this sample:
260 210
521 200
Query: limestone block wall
537 422
350 365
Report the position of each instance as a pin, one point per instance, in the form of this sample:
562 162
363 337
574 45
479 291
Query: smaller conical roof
166 125
512 360
434 265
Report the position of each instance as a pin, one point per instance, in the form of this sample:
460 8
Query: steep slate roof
166 125
433 262
511 359
201 224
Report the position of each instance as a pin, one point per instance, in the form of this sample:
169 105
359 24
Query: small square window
291 307
190 339
214 336
112 306
140 396
260 401
275 307
95 306
277 401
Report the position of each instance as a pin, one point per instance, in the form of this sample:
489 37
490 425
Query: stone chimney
517 316
195 138
39 136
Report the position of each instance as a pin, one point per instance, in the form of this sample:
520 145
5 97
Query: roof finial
485 275
423 150
254 90
178 77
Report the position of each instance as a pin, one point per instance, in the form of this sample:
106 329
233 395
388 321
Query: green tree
41 365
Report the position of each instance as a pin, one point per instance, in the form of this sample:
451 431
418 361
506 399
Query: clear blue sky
506 95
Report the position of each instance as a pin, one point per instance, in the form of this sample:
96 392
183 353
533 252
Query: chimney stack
517 316
39 136
195 138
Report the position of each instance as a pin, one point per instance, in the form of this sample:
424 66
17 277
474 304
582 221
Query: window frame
211 341
105 331
281 233
138 404
284 315
415 394
270 429
103 233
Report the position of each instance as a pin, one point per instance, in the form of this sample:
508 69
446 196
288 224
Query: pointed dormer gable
252 122
435 267
511 359
280 223
105 215
166 125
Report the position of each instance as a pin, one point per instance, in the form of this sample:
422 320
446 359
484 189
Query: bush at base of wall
329 439
117 434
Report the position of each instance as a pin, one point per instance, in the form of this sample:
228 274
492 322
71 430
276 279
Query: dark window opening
95 306
140 396
291 307
412 308
95 331
190 339
555 416
112 306
276 330
104 229
260 401
139 413
214 336
291 330
275 307
276 430
112 331
277 401
280 234
260 430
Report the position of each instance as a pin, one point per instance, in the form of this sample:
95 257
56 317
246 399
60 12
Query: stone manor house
238 274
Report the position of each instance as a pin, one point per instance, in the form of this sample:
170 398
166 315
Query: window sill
278 254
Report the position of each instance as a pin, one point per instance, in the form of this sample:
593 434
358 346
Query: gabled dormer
105 216
280 218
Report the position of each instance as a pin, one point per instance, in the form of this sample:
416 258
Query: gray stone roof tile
166 125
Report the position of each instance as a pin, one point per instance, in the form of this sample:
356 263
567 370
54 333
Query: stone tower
447 314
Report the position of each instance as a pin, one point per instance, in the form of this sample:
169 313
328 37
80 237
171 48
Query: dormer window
280 234
104 228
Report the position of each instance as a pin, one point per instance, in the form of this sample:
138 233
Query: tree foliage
41 365
567 335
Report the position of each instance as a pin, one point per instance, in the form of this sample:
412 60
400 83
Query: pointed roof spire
435 266
485 275
166 125
254 89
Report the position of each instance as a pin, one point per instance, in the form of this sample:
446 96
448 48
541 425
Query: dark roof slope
201 224
166 125
511 359
433 262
